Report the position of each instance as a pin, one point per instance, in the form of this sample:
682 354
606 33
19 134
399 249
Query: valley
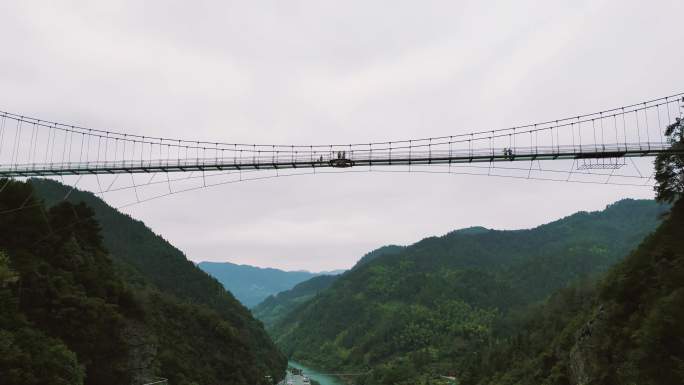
341 192
402 315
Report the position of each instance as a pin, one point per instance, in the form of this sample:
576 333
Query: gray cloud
321 71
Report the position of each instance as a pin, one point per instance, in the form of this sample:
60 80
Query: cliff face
142 351
583 356
635 334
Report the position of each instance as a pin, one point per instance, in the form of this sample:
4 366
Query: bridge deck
283 160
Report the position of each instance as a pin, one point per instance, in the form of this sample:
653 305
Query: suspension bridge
604 140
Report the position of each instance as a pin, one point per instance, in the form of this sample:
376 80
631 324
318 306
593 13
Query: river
316 375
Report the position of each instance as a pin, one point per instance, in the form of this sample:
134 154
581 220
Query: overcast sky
330 71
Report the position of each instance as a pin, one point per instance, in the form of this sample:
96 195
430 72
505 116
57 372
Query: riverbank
315 375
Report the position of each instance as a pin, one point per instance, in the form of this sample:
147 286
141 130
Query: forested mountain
91 293
427 307
384 250
627 329
250 284
275 307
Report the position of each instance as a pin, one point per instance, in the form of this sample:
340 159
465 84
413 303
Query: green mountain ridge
190 329
271 310
625 329
427 304
250 284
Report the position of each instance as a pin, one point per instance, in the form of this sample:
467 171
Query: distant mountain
250 284
425 308
194 330
275 307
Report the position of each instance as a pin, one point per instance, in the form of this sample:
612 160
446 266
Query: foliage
187 309
442 305
669 166
28 356
627 330
70 313
67 310
274 308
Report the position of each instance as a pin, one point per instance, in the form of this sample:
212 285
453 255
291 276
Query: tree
7 276
670 165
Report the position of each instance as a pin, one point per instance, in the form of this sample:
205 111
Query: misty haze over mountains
251 284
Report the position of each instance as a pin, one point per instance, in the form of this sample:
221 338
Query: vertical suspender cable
593 126
64 147
35 147
491 144
142 150
52 147
116 150
149 161
624 127
579 130
617 140
636 119
603 136
2 135
491 148
509 144
17 138
99 143
648 135
557 138
669 116
235 154
514 151
451 154
29 153
123 149
87 152
531 143
660 127
204 156
370 156
410 153
572 132
80 155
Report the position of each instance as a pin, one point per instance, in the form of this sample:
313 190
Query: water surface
315 375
